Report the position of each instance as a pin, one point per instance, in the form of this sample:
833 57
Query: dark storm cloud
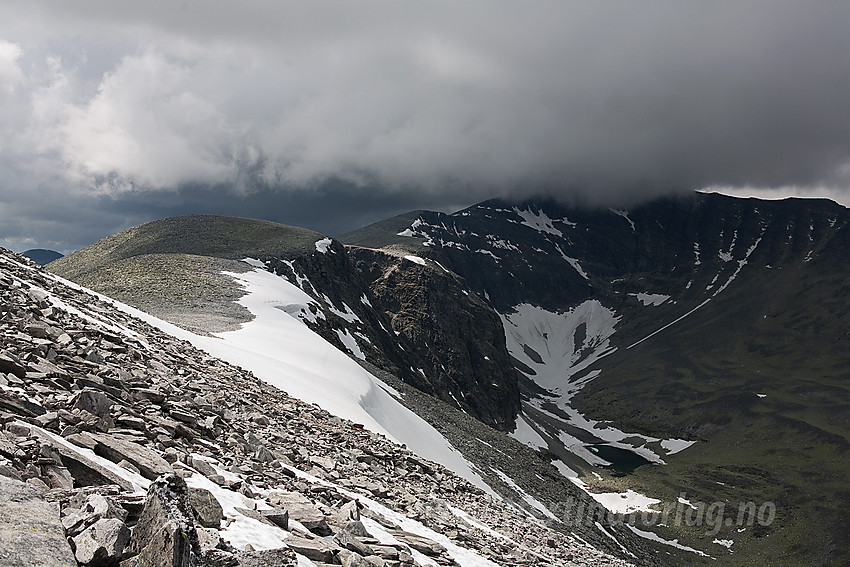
327 114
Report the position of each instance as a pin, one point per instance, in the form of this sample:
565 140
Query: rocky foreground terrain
123 445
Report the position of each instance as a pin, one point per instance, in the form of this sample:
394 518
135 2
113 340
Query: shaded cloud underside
340 112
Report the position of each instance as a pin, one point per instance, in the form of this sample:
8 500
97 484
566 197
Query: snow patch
572 262
546 341
526 434
564 469
673 446
488 253
531 500
415 260
350 343
414 232
648 299
672 543
323 245
611 536
539 221
668 324
620 502
347 314
625 215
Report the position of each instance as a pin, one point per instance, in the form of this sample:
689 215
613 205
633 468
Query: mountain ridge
634 337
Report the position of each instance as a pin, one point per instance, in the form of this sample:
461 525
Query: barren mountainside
125 444
687 350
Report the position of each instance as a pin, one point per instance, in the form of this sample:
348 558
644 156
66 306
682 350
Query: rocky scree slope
122 444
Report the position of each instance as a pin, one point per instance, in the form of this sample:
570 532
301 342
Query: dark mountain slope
41 256
707 318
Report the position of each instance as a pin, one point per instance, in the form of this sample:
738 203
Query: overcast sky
333 114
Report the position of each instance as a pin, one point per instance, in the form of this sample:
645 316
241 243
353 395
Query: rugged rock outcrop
412 320
457 337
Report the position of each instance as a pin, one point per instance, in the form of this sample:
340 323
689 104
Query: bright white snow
350 343
620 502
323 245
672 543
524 433
416 260
552 337
648 299
673 446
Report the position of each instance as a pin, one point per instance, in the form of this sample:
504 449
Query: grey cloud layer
608 100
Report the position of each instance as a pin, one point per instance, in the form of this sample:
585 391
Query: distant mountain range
41 256
705 332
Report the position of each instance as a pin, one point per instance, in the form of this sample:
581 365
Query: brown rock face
455 336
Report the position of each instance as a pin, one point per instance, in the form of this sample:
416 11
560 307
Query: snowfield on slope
558 349
283 352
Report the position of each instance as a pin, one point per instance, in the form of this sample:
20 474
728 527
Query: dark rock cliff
453 334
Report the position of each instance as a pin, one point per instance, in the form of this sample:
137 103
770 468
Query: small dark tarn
622 461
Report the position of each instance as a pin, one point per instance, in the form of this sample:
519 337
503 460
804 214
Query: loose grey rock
300 508
347 541
282 557
84 470
207 509
30 530
314 549
277 516
149 463
203 467
420 543
93 402
102 544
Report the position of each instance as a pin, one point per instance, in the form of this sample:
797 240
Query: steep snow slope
279 349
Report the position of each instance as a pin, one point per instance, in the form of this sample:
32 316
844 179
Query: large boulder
207 510
102 544
30 530
165 533
318 549
301 509
84 470
116 449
